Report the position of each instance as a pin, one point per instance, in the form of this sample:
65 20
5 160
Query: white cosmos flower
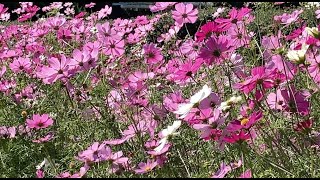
43 163
166 133
184 109
298 56
227 104
313 32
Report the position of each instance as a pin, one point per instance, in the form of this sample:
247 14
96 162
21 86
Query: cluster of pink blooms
118 53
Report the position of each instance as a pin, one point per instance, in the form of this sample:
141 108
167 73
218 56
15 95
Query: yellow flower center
244 121
148 168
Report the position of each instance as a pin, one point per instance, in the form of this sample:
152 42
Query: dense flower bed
86 96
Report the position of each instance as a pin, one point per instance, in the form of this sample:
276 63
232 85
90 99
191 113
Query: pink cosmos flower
56 22
141 20
152 54
234 17
146 167
82 172
20 64
216 50
246 174
95 153
3 71
30 12
185 13
190 49
259 76
7 86
2 9
64 34
276 100
4 16
187 70
119 141
296 101
58 69
208 130
39 121
234 137
114 47
133 38
7 132
314 68
225 169
281 67
297 32
93 48
172 100
285 100
40 173
239 35
245 122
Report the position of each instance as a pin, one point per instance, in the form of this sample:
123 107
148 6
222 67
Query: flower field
209 91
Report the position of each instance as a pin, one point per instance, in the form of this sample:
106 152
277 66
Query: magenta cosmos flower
259 75
39 121
216 49
207 31
234 17
185 13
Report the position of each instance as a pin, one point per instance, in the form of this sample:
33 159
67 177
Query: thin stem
184 164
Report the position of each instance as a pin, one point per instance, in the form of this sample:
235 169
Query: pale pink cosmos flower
39 121
82 60
105 32
185 13
225 169
90 5
288 19
58 69
95 153
317 14
160 6
47 138
278 3
104 12
56 22
146 167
